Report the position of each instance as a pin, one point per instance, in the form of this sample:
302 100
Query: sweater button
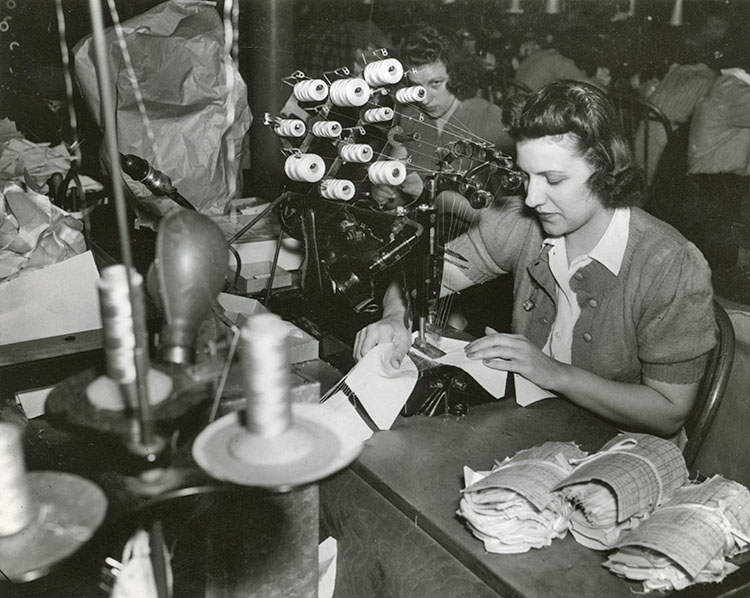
578 276
587 337
593 302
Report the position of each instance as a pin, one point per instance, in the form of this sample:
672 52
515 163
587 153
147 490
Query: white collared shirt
609 252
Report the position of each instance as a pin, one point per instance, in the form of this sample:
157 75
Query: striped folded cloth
512 508
689 539
614 489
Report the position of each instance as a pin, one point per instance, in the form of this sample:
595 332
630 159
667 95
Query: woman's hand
515 353
389 197
388 330
384 195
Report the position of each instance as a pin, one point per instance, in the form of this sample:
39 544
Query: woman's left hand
515 353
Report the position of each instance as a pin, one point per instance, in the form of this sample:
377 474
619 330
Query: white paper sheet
527 392
327 551
382 389
32 401
356 429
56 300
493 381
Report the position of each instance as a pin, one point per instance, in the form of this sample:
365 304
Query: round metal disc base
105 393
312 449
69 509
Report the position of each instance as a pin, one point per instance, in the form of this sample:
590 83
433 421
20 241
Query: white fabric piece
382 389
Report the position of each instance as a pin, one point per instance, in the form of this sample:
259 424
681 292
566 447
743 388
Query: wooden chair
712 387
647 129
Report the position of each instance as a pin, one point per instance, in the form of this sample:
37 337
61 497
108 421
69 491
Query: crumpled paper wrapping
190 88
33 163
34 233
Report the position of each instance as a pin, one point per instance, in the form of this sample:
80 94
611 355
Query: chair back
647 129
712 387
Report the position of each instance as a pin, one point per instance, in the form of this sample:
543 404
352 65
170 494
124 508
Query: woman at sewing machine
437 60
612 307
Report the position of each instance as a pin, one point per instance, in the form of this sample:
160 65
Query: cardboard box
302 346
254 277
258 244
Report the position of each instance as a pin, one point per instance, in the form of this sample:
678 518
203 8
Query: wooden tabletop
48 348
418 467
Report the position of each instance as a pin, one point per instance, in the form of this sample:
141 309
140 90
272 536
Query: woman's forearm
653 407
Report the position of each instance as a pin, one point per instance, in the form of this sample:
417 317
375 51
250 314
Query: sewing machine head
340 134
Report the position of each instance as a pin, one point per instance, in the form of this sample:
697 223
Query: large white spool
16 506
290 127
311 90
304 168
406 95
350 92
378 115
358 153
327 129
387 172
384 72
337 189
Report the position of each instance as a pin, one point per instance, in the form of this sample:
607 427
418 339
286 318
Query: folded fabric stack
513 508
689 539
617 487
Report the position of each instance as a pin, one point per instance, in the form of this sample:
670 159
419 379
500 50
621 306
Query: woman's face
434 78
557 188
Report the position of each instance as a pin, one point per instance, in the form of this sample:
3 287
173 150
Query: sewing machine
337 134
143 408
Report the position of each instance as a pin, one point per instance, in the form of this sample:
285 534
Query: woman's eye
554 181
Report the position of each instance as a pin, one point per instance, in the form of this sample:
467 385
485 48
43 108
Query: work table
395 512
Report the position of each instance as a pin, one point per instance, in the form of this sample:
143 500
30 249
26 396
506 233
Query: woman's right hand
388 330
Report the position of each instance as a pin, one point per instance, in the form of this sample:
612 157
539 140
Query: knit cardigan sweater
655 319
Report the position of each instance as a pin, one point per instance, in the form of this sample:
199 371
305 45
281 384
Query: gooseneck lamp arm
155 180
145 419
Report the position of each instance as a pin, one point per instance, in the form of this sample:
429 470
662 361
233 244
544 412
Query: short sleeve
495 243
677 328
738 105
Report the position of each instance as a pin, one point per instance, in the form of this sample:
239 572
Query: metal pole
110 135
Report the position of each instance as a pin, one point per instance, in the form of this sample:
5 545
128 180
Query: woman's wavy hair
586 112
430 44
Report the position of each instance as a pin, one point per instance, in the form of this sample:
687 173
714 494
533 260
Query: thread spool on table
125 339
276 445
17 508
45 516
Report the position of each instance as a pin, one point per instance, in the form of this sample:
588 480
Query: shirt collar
737 73
610 250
